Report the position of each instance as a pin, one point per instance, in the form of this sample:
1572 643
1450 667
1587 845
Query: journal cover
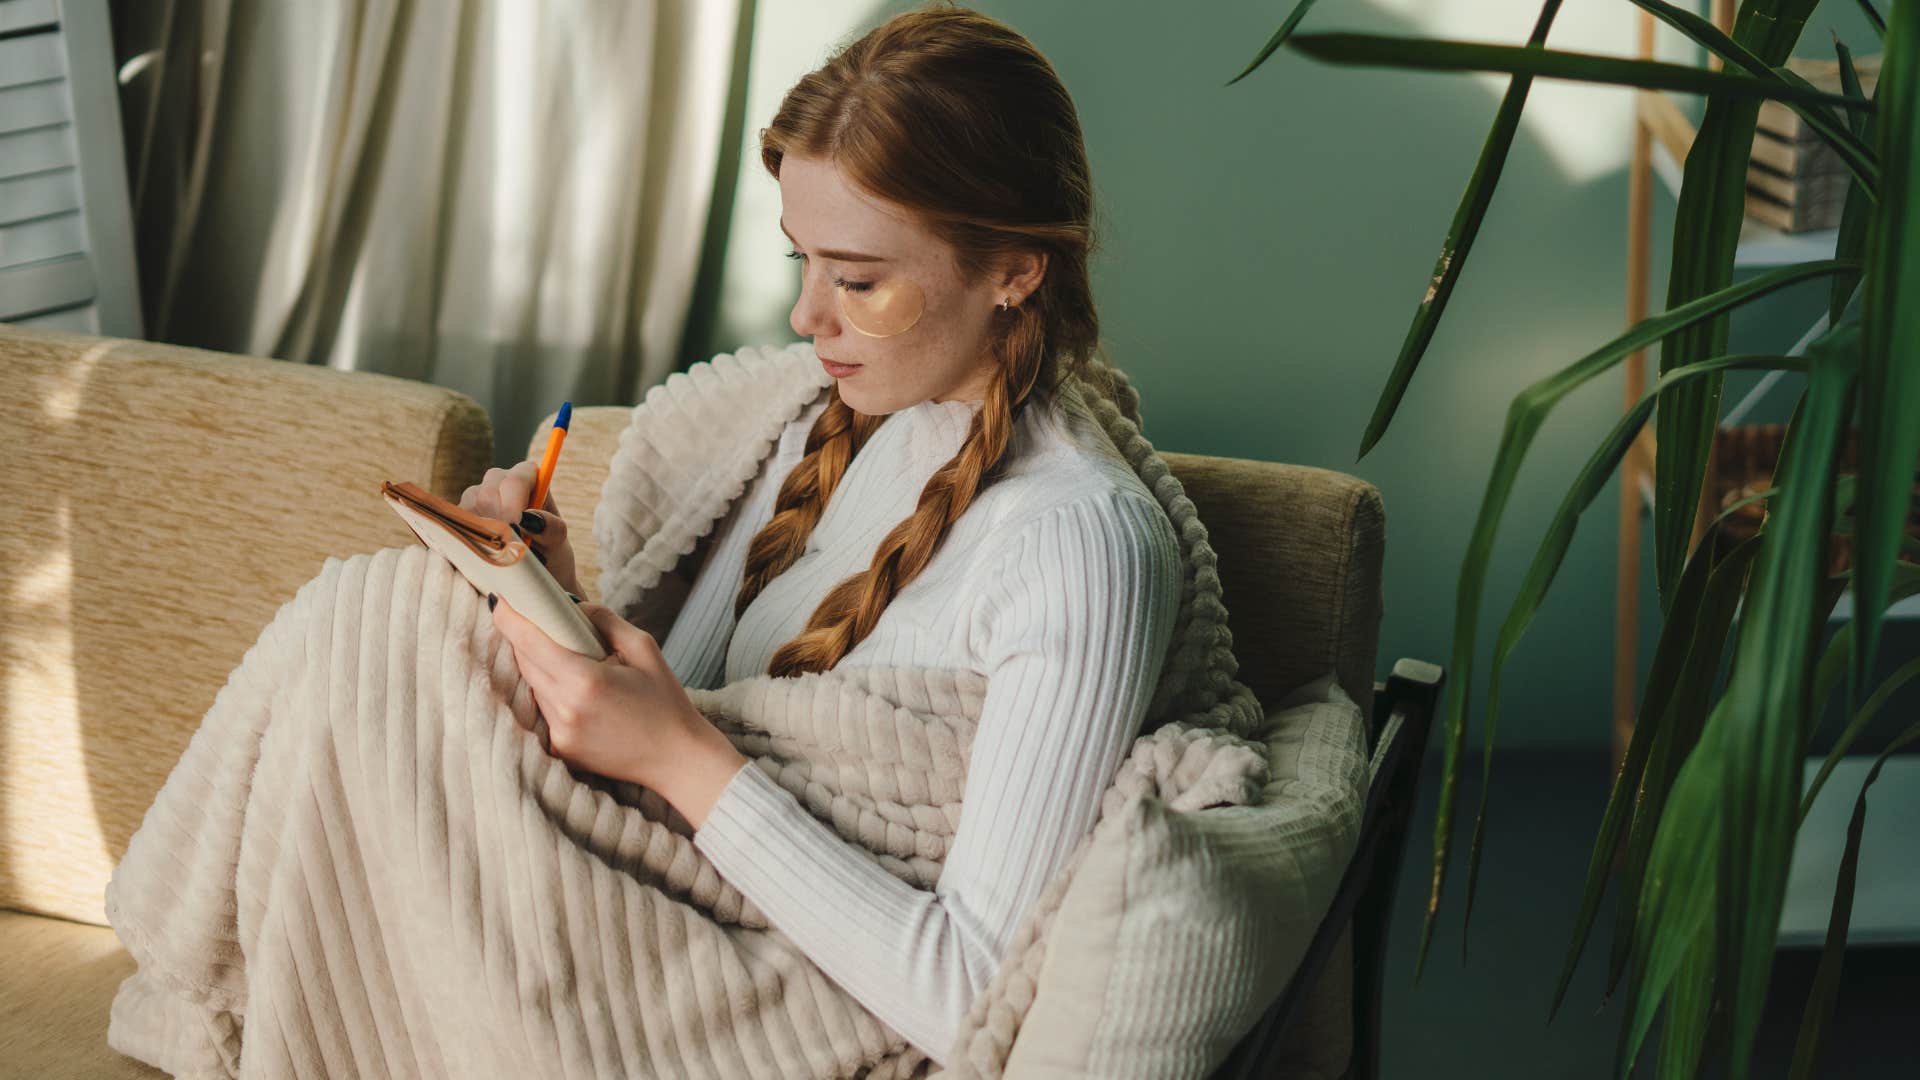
494 559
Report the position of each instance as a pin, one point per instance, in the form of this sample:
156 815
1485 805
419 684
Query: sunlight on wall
1586 127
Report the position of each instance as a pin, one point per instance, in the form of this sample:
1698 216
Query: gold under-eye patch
890 307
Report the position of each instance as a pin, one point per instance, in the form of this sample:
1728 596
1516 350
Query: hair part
958 118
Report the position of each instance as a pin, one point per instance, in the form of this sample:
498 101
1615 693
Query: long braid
837 435
849 611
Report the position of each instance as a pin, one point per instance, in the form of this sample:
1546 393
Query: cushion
56 986
1180 927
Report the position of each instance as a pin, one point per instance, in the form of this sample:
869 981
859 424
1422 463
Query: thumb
634 646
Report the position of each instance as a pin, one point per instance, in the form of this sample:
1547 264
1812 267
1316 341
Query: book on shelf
1795 181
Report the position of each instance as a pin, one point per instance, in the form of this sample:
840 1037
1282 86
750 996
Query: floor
1487 1016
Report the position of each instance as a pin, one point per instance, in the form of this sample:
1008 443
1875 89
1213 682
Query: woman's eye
838 283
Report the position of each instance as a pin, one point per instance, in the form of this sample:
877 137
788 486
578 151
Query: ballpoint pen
545 476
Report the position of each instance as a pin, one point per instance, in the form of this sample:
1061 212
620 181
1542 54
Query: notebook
494 558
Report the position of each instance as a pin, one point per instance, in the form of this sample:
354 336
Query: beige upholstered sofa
163 502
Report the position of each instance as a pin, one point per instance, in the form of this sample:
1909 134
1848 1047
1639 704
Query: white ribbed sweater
1060 583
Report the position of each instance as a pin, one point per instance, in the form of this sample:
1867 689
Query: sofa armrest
171 501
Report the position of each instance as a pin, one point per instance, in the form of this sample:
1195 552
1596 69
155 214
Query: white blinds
65 243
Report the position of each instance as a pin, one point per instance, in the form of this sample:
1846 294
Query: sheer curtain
507 197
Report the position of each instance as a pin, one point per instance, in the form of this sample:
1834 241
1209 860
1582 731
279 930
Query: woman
936 509
937 162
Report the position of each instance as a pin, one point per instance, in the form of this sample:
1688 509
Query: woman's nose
812 314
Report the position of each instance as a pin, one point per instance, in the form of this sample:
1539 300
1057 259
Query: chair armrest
1403 708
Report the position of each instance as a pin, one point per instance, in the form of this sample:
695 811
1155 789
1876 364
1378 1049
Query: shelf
1763 245
1905 609
1887 879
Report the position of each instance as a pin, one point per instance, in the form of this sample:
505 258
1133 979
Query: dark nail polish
575 599
491 600
532 522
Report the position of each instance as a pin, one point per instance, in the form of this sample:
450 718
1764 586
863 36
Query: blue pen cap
566 414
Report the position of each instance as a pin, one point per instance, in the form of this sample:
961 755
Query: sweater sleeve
1078 615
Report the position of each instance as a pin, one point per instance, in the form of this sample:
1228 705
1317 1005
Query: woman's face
879 291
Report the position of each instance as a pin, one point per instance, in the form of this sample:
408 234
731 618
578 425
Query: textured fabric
1178 928
1059 583
146 575
364 817
56 982
1300 551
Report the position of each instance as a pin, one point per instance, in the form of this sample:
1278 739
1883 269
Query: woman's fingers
516 488
532 648
502 494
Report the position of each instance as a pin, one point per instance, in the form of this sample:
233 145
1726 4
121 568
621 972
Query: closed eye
841 283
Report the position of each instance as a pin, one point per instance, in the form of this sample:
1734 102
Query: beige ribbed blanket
365 864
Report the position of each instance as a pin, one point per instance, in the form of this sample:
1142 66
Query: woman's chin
862 402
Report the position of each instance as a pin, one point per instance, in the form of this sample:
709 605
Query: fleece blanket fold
365 864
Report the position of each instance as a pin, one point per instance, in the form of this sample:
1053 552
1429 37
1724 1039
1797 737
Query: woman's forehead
823 213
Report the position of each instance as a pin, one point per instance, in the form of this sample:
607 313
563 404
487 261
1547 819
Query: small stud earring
1005 301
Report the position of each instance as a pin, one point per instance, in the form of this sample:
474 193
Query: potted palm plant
1707 802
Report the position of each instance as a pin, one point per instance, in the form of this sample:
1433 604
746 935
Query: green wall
1263 247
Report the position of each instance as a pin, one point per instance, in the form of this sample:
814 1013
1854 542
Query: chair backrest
169 501
1300 552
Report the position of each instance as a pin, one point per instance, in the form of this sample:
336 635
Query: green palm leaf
1433 54
1524 417
1826 980
1873 16
1711 208
1459 241
1692 640
1553 549
1279 37
1890 356
1758 728
1857 213
1680 903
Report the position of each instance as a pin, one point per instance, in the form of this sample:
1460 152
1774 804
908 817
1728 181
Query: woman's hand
626 717
503 494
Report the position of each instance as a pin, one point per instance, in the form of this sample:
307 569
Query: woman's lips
838 371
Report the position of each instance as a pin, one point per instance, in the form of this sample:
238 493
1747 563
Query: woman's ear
1023 274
